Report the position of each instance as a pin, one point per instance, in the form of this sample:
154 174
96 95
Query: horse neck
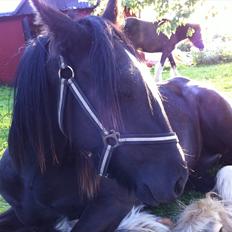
181 32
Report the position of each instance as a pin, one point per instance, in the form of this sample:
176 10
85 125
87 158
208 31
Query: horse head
196 37
101 104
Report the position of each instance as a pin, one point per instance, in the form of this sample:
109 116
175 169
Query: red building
16 27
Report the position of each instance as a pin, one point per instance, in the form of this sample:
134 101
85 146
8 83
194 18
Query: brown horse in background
202 119
144 36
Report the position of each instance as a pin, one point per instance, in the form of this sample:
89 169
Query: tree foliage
178 11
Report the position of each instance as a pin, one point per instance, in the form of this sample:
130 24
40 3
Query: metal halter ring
66 72
112 138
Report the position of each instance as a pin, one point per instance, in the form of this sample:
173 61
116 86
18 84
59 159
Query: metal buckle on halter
65 71
112 138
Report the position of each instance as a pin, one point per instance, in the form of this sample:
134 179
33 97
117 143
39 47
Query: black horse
144 36
83 108
202 119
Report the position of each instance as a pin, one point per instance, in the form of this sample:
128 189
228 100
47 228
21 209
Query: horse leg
9 221
173 65
160 66
25 214
201 180
106 211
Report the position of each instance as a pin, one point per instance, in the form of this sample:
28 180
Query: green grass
3 205
6 96
173 209
218 76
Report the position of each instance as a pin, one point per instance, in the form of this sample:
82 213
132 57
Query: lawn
217 76
6 96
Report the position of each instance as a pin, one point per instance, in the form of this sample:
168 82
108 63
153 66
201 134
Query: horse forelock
152 90
103 61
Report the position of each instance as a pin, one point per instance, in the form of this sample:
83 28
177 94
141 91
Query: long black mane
33 126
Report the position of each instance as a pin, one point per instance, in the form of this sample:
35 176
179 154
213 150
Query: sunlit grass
173 209
3 205
6 96
217 76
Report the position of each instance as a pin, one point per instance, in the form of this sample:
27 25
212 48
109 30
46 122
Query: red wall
11 43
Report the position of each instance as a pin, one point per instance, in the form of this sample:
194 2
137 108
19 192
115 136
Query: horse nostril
179 186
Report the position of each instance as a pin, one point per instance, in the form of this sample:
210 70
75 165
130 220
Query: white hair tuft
208 214
223 185
141 221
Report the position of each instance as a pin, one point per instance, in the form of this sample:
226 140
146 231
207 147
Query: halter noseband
111 138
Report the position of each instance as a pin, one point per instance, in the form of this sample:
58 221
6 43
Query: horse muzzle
152 194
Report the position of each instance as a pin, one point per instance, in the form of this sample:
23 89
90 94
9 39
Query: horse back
181 108
212 111
144 36
216 119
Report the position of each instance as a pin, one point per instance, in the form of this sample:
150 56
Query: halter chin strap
111 138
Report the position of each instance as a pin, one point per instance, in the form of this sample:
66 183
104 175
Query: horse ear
51 18
56 23
112 11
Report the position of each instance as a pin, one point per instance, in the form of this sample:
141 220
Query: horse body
77 89
202 119
144 36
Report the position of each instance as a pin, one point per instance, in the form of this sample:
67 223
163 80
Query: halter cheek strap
111 138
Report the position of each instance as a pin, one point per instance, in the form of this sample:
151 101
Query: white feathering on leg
158 72
141 221
223 185
65 225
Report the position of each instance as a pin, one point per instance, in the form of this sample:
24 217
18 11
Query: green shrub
184 46
209 57
218 51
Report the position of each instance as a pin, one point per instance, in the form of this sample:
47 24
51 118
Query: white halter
111 138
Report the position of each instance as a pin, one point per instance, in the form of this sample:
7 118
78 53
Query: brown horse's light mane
203 215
